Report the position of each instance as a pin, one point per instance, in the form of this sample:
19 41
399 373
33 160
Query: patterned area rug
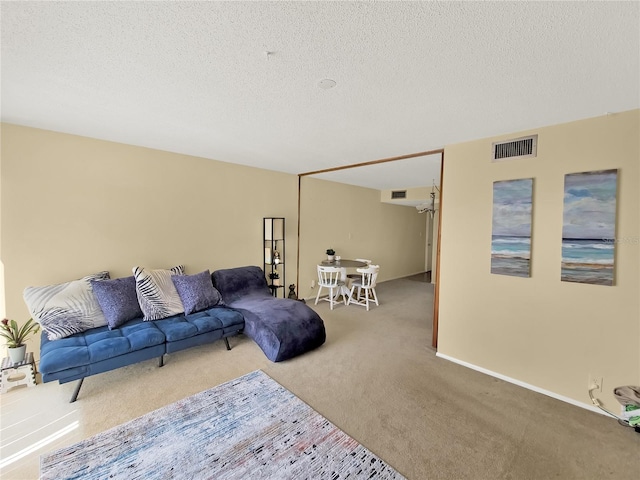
248 428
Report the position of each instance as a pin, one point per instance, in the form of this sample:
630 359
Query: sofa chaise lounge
283 328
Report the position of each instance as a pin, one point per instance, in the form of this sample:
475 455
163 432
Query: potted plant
16 336
331 254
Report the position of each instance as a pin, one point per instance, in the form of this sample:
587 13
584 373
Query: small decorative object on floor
250 427
21 373
16 336
293 295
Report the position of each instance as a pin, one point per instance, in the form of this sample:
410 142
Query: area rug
247 428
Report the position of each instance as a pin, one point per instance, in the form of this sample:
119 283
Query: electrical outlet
595 382
313 284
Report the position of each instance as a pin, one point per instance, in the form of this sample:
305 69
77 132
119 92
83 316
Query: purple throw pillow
196 291
118 300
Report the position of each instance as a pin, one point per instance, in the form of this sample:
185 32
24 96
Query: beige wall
354 222
71 206
413 194
538 330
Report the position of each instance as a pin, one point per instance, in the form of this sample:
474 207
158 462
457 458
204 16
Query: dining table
343 263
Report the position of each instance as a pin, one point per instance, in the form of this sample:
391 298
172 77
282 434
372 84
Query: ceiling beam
374 162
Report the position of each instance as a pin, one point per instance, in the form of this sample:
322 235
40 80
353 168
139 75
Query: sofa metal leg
226 340
76 391
161 361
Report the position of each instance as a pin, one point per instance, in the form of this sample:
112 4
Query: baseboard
402 276
520 383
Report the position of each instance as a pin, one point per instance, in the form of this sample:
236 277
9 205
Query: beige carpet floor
376 377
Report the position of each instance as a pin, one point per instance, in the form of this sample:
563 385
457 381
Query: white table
343 263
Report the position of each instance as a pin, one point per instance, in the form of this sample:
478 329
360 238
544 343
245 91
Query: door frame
436 293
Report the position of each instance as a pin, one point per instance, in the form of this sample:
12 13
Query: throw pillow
66 308
157 296
118 300
196 291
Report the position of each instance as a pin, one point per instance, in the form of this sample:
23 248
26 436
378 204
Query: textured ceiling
194 78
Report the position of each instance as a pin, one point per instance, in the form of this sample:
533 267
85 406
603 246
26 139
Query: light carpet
250 427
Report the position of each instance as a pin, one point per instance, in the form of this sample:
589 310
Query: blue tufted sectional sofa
99 349
282 328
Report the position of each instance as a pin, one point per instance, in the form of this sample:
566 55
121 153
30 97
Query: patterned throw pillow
118 300
196 291
66 308
157 296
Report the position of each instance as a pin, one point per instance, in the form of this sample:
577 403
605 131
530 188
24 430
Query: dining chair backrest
328 276
369 275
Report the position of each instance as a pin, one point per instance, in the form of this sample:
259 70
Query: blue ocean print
588 230
511 234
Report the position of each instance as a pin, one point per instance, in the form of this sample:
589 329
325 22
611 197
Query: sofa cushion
282 328
157 295
196 292
96 345
118 300
185 326
236 283
66 308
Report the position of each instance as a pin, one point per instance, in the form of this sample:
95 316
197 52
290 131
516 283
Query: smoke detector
326 83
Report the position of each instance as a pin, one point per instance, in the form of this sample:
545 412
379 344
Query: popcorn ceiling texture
194 78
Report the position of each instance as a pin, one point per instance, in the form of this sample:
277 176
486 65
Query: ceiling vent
518 148
399 194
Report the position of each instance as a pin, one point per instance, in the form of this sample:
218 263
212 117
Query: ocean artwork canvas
588 227
511 228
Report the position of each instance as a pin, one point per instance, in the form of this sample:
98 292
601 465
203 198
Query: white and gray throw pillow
156 292
66 308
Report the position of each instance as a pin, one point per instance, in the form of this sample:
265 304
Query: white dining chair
332 279
366 286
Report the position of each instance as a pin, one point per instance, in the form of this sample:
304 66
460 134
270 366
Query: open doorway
372 175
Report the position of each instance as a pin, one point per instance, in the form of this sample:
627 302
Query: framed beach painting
588 227
511 227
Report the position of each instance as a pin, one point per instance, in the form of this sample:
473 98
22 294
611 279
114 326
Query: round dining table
343 263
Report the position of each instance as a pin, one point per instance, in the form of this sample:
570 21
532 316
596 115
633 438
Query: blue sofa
282 328
99 349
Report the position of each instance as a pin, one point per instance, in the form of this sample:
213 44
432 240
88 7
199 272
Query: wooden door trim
375 162
436 290
436 293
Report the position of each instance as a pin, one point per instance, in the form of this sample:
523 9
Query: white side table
14 374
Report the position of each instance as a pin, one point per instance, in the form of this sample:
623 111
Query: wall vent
518 148
398 194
